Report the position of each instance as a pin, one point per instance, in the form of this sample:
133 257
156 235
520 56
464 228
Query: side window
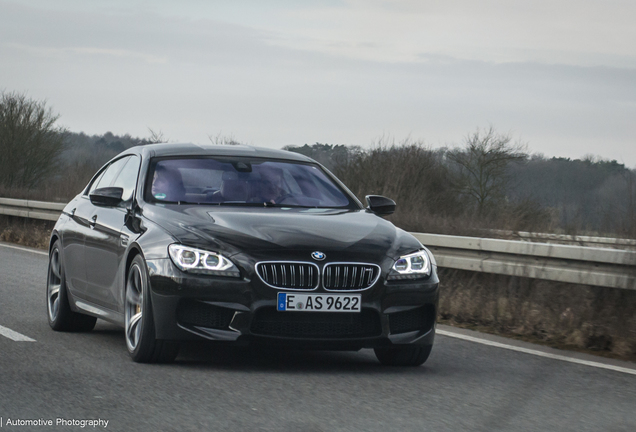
106 178
95 183
127 178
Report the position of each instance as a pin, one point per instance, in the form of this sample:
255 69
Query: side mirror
107 197
382 206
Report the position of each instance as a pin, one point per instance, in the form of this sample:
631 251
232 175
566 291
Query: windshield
242 181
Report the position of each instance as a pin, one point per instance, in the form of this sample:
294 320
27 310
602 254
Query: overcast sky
558 74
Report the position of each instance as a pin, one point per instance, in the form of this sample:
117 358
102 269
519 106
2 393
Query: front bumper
243 311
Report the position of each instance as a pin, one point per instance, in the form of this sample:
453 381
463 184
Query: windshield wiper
230 203
266 204
260 204
238 203
176 202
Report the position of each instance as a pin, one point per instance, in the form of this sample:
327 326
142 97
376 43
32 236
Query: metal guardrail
556 262
562 263
580 240
31 209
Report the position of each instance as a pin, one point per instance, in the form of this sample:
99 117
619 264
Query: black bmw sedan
243 245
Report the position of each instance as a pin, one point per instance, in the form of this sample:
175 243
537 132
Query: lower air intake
319 325
418 319
200 314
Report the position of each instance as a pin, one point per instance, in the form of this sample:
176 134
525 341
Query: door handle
92 222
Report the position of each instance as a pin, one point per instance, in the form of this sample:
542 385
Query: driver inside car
167 185
268 192
267 189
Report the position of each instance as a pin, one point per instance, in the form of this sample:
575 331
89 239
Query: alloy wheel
54 283
135 287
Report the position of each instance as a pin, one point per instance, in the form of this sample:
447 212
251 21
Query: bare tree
221 139
408 172
30 142
482 166
155 137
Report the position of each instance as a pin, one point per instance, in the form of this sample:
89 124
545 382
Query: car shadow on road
108 331
264 359
258 358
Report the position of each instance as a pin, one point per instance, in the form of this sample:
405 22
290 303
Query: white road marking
13 335
24 249
536 352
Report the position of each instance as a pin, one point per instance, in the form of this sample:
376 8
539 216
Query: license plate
318 302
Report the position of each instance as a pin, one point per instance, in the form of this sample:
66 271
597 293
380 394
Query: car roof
189 149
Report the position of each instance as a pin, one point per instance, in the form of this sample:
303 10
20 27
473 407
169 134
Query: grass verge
536 340
25 232
590 319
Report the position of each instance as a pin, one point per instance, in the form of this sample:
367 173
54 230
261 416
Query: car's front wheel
61 317
409 355
139 324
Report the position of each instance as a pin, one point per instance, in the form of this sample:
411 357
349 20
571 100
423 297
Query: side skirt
88 308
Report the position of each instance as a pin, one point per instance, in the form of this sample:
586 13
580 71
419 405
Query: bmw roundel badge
318 256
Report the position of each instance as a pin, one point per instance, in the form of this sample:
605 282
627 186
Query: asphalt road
464 386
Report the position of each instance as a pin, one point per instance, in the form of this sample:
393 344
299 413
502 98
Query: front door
107 241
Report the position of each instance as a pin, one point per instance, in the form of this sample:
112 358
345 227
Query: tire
410 355
141 342
59 313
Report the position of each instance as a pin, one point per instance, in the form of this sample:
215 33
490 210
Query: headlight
413 266
193 260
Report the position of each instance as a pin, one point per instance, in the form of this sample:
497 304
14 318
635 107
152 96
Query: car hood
282 232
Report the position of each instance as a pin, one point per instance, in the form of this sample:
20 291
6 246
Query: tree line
489 182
